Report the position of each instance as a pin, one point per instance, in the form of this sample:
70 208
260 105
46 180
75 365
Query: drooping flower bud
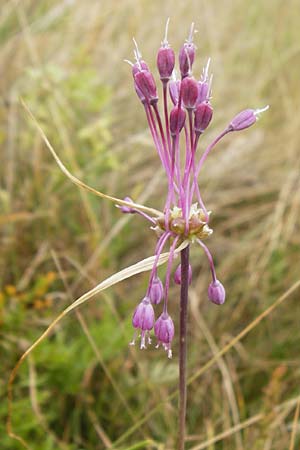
143 316
126 209
203 116
177 120
216 292
189 89
156 291
174 89
187 55
145 82
246 118
143 319
164 331
177 274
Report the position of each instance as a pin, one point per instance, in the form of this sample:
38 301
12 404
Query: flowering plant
184 219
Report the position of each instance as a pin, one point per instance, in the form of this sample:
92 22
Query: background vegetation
84 388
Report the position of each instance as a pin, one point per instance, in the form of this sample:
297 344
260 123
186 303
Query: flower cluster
176 134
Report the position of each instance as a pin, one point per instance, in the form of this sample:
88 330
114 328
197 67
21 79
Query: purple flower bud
186 58
177 274
156 291
189 89
138 66
204 85
139 94
165 62
164 331
187 54
174 89
177 120
143 316
127 209
246 118
145 82
203 116
216 292
203 92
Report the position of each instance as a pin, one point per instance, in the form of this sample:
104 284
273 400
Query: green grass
84 388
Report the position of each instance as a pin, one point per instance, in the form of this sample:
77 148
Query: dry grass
65 59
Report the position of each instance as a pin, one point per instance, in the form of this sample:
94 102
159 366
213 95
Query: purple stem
210 259
159 247
141 213
182 344
168 274
209 148
155 137
170 196
161 130
195 185
165 92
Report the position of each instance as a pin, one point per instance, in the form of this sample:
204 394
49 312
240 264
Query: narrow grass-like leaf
118 201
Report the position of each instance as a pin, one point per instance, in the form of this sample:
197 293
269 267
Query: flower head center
197 223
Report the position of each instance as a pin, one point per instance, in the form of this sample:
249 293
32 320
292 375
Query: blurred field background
84 388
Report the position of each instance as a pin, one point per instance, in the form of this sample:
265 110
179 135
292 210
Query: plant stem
182 343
